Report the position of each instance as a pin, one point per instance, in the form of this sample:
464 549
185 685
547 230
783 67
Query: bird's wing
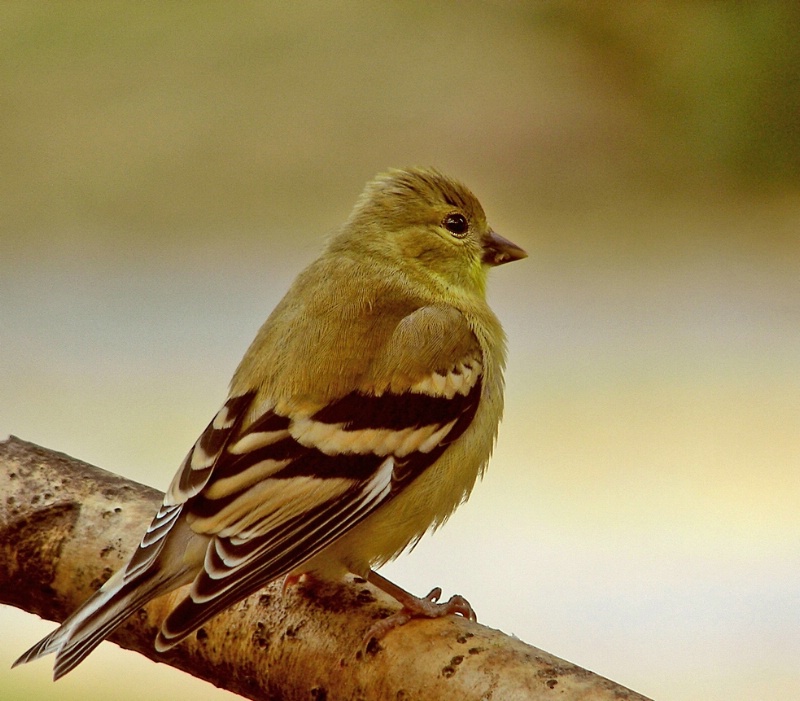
193 474
286 486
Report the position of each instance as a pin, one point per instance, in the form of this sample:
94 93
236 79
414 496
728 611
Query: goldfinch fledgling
359 418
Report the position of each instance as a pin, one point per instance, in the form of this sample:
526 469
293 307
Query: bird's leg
414 607
291 579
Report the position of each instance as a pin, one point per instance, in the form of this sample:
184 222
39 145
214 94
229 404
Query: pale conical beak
498 250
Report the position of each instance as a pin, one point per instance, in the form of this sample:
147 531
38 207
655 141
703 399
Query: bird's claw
424 607
434 594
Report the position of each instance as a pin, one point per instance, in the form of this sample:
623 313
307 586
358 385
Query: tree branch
65 526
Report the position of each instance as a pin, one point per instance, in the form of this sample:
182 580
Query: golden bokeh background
167 168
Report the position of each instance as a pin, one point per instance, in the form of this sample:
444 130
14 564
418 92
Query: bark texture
65 526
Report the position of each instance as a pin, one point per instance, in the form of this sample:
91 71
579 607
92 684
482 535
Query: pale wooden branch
65 526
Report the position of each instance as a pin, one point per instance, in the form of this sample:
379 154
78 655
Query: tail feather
88 634
44 647
88 610
96 619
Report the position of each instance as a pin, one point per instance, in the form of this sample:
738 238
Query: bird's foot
290 580
415 607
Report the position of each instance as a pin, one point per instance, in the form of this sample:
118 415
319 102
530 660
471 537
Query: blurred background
168 168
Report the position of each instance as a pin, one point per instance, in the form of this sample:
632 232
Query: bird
360 418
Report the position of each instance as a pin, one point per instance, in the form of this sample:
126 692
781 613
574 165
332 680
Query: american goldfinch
359 418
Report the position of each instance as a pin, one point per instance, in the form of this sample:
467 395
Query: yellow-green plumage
391 259
359 418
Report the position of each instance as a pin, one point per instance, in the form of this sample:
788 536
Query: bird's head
429 223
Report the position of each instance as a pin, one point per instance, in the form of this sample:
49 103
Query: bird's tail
95 620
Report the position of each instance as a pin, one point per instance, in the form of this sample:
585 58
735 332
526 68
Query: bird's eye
456 224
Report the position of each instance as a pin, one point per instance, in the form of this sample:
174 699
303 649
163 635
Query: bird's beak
498 250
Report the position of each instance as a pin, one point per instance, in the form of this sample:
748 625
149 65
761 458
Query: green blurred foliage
120 120
718 81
